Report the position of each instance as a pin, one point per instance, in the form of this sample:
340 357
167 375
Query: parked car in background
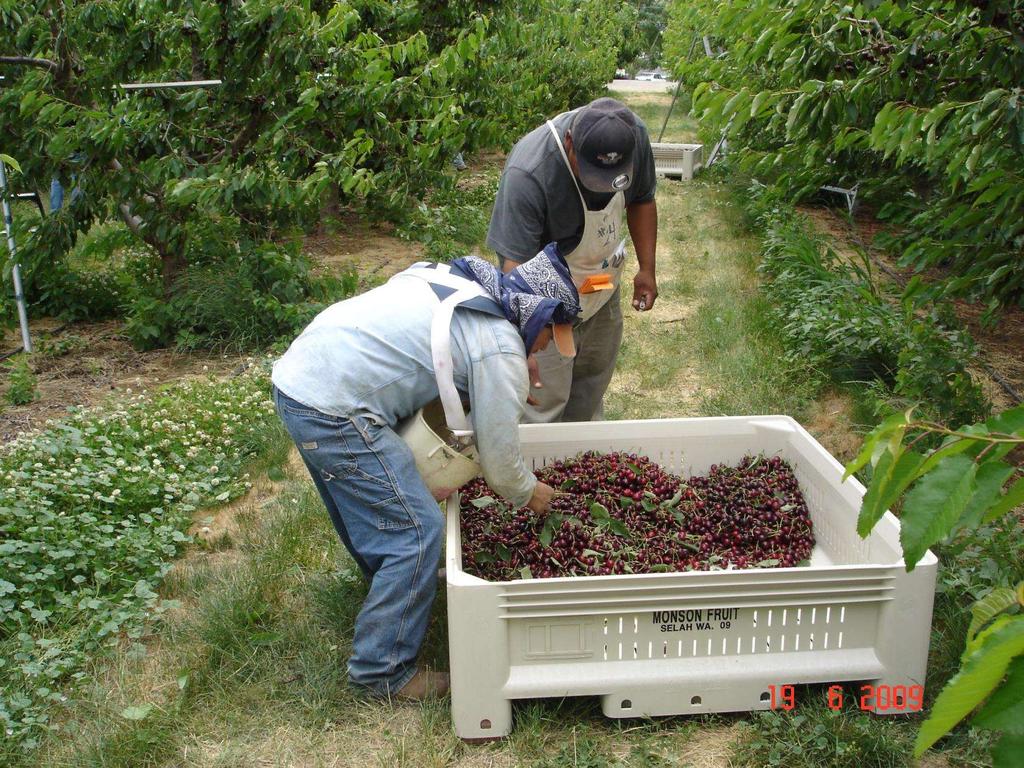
645 75
621 74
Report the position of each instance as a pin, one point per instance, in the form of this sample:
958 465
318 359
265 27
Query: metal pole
157 86
670 107
19 297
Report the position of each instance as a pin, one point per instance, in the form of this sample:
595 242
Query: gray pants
574 388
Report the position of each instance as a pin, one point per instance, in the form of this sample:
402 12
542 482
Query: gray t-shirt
537 201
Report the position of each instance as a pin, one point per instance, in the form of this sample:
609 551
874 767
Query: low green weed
454 220
238 304
818 737
21 381
92 511
53 347
834 317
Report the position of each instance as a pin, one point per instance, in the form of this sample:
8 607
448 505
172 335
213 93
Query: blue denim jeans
390 524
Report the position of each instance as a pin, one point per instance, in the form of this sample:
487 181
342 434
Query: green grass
652 108
706 349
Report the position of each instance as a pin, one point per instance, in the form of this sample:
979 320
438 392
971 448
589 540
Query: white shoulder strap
441 339
565 157
444 366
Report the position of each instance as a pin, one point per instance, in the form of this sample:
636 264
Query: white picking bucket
443 468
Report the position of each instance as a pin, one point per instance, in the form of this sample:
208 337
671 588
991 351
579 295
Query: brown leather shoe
425 684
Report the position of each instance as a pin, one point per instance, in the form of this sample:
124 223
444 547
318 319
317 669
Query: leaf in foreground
1004 711
934 504
990 606
889 482
980 673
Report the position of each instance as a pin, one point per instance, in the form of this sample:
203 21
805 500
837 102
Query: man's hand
541 499
645 290
533 371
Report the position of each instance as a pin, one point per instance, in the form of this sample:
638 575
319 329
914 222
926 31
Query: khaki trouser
574 387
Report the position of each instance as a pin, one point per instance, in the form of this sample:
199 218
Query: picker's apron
602 250
445 468
573 388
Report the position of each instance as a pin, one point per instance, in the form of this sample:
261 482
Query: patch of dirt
831 423
373 251
82 364
480 168
932 760
209 529
712 748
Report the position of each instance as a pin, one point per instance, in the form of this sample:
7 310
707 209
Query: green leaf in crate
568 485
769 563
503 552
889 482
525 572
483 501
989 484
986 609
547 531
626 502
599 511
977 677
617 526
1013 498
483 558
934 504
633 467
1004 710
676 498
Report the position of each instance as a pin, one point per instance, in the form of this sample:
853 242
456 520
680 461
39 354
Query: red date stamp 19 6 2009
880 698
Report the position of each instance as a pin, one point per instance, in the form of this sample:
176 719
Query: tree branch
28 61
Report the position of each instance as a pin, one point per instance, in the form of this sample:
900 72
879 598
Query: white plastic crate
697 642
682 160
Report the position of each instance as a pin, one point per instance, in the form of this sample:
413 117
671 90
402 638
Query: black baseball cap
604 137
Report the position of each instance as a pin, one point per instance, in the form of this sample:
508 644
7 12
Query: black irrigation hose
993 374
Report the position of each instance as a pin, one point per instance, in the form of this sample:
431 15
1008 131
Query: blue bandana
533 295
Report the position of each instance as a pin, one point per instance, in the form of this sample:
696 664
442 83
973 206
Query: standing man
365 364
569 181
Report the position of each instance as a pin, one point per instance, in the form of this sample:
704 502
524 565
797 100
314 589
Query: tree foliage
921 103
644 22
354 104
971 479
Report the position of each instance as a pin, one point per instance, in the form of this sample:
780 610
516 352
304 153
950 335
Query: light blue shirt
370 355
